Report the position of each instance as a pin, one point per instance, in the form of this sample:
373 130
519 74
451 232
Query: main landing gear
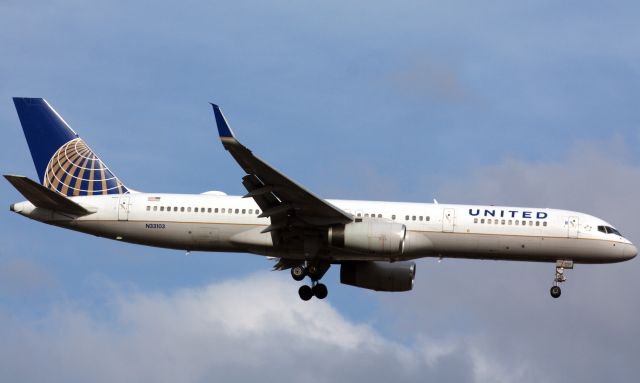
560 277
314 272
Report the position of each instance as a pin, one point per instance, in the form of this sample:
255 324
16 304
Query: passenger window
161 208
517 222
148 208
524 223
257 212
413 218
503 221
366 215
510 222
182 209
209 210
406 218
379 215
537 223
223 209
475 220
155 208
393 216
244 211
544 223
428 218
195 210
530 223
250 211
175 208
189 210
420 218
359 215
216 210
482 220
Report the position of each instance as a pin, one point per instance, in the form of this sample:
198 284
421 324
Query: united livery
63 160
524 214
374 243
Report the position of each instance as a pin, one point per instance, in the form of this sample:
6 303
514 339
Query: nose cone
630 251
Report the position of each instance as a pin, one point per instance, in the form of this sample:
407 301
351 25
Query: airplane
374 243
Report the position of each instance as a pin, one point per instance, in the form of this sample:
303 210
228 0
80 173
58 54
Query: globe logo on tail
74 170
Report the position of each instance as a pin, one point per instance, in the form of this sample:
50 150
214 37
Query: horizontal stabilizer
45 198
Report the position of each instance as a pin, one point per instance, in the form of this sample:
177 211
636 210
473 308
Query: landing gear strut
555 290
314 272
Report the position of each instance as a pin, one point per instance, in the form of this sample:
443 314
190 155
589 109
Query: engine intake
369 236
379 276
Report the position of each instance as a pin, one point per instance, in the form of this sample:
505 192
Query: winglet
223 127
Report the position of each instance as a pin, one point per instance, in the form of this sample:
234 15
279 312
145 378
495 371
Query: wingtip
223 127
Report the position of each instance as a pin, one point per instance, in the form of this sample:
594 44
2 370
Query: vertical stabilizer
62 159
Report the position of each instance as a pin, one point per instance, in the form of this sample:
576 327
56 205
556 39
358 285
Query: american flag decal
152 199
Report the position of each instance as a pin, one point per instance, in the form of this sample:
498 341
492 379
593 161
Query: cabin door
448 220
123 207
572 227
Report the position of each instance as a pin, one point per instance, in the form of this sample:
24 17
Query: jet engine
369 236
378 276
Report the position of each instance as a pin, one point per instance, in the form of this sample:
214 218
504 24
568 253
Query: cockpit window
609 230
614 231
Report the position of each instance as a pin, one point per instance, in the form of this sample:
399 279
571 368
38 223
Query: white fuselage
217 222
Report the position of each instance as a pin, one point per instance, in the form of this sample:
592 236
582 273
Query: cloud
600 178
589 334
239 330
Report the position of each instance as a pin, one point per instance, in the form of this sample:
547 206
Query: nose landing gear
561 264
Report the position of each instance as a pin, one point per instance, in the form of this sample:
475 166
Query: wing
293 210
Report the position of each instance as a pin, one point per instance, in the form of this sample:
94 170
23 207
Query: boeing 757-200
374 243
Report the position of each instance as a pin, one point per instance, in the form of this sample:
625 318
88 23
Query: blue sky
526 104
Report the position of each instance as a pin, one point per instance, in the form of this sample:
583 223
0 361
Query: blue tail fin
63 161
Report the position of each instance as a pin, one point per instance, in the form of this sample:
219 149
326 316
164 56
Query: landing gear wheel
561 265
320 291
298 273
555 291
305 292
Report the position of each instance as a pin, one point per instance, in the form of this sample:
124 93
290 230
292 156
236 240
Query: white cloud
503 309
240 330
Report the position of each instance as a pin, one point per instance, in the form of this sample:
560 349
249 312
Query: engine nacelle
379 276
369 236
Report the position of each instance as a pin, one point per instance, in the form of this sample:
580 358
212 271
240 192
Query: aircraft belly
523 248
174 235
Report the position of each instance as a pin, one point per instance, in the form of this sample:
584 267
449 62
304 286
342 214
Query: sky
528 104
